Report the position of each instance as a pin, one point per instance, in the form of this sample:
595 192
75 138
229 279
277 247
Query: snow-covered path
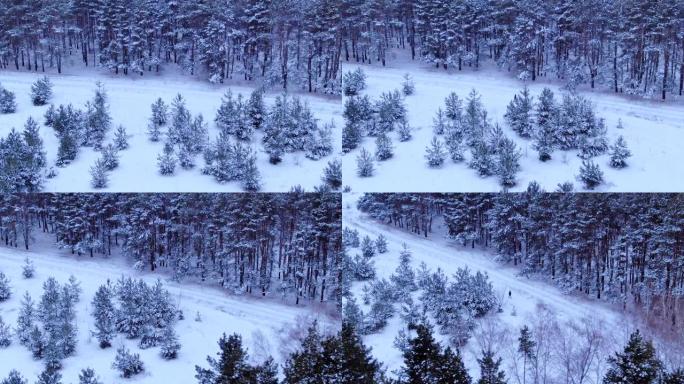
653 131
260 322
439 252
130 99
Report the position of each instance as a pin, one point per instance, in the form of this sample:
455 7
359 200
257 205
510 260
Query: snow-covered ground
130 98
263 324
527 295
653 131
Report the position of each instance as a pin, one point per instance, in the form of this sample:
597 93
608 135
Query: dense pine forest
624 248
291 44
286 245
631 47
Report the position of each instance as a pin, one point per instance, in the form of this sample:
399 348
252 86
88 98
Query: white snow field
263 324
130 98
653 130
527 295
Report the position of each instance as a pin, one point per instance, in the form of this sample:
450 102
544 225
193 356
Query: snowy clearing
260 322
129 100
653 131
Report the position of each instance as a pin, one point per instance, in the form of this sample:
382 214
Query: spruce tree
99 174
435 153
590 174
364 164
404 276
452 370
332 174
307 364
454 108
383 147
351 361
637 364
41 91
490 372
674 377
35 158
231 366
353 82
619 153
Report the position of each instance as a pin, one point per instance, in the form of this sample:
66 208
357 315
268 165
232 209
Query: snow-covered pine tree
383 147
256 111
490 373
50 376
5 334
110 157
381 244
99 174
638 363
35 156
404 276
332 174
390 112
408 87
158 119
41 91
104 313
454 108
474 119
404 131
166 161
320 142
169 344
619 153
28 270
97 120
180 121
127 363
37 343
435 154
87 376
439 123
25 320
507 162
363 268
251 178
364 164
14 377
277 122
367 247
8 103
5 289
68 147
454 142
121 138
590 174
50 115
547 119
66 332
482 160
519 114
353 82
